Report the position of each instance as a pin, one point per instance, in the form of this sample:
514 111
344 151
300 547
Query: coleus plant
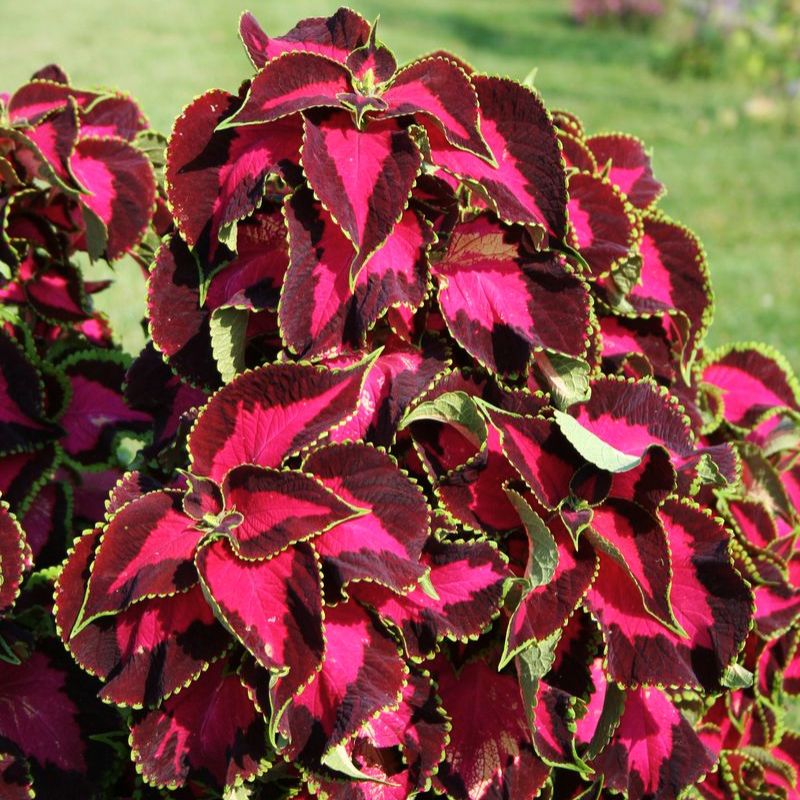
443 494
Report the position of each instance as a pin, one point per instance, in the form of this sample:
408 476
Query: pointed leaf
754 381
468 582
335 37
290 83
280 508
501 311
263 416
121 186
439 88
363 178
215 178
210 730
147 550
273 607
384 542
655 751
629 167
528 183
12 557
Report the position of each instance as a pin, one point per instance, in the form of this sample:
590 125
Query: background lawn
734 181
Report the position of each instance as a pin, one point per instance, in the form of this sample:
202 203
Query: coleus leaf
215 178
362 177
320 257
673 277
121 188
179 327
501 309
38 716
398 751
22 401
400 375
261 417
38 98
15 778
467 580
209 730
383 542
373 62
274 607
631 416
12 557
147 550
547 607
335 37
96 413
116 115
528 183
438 88
540 453
362 674
604 227
289 83
629 167
56 136
754 381
490 754
280 508
254 278
709 601
56 291
655 752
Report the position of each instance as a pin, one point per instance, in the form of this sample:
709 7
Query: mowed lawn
735 182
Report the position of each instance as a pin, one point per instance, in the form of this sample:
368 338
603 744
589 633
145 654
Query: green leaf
452 408
593 448
427 587
228 328
613 706
96 234
543 558
567 378
533 663
338 759
228 235
736 676
627 275
708 472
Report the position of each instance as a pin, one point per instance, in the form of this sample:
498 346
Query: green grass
735 182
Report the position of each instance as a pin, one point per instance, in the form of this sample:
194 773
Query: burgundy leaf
629 167
280 508
263 416
151 650
528 183
215 178
209 730
113 116
490 754
709 601
320 259
438 88
754 381
290 83
179 327
604 226
335 37
384 543
121 185
362 673
655 752
35 100
147 550
12 557
547 608
363 178
274 607
500 310
97 412
468 580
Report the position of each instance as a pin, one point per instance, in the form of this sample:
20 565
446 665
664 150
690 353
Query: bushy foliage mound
437 491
